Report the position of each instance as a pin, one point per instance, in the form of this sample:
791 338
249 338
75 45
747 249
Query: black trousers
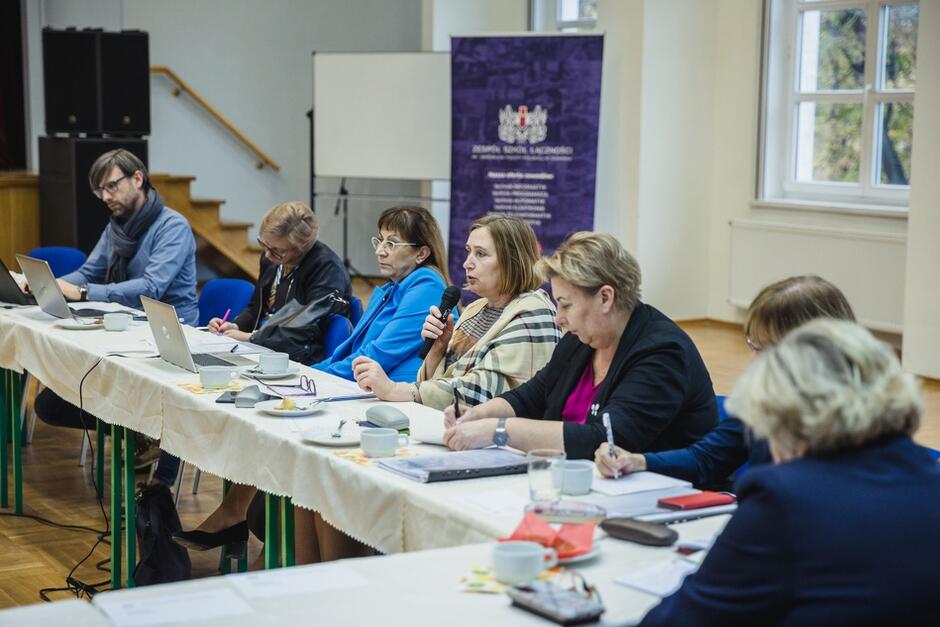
56 411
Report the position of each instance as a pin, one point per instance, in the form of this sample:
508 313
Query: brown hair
783 306
517 251
417 225
591 260
125 160
293 220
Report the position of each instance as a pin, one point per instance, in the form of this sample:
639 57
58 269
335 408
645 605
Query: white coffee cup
381 442
117 321
518 562
215 377
578 476
273 363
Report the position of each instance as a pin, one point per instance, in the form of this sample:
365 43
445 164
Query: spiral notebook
488 462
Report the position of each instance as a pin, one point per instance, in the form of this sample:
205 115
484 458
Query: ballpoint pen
610 442
453 386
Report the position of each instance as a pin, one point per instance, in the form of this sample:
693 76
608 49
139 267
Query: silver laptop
43 286
171 342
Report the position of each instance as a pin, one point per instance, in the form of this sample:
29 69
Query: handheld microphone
448 300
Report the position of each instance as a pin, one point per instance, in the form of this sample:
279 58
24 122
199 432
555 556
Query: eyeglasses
751 345
110 187
274 253
388 245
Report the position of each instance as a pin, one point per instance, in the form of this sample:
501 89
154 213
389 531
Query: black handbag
296 329
161 559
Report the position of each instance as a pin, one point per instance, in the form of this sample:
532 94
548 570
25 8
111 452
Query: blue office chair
722 413
336 331
219 295
355 310
62 259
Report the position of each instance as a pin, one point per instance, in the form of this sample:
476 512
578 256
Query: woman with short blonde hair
620 357
292 220
842 529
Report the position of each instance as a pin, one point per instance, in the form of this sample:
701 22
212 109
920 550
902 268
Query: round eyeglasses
388 245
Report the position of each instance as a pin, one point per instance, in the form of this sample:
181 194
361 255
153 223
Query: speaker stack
97 98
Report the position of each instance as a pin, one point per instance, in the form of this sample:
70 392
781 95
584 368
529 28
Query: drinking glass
546 474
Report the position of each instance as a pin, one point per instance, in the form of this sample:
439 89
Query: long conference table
457 521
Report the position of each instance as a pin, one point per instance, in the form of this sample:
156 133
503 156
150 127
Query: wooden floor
37 556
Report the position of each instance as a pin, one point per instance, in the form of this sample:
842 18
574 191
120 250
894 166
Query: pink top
579 402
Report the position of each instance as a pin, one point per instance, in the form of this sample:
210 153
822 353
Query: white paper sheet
187 606
635 483
661 579
296 581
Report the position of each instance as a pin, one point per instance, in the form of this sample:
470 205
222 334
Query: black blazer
320 272
657 390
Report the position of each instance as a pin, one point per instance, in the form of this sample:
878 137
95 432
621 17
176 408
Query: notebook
488 462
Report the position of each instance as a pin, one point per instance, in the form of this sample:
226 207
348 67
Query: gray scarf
126 235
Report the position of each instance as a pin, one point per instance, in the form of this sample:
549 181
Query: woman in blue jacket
842 529
410 253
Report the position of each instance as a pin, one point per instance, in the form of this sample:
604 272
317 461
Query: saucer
271 407
349 436
73 325
594 552
254 373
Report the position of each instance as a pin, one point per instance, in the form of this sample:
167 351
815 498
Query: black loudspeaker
96 82
69 213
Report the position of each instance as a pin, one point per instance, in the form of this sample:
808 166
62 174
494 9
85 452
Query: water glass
546 474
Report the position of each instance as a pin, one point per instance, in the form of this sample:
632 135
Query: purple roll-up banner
525 113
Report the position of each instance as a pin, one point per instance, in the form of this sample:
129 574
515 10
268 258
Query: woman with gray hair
620 357
842 529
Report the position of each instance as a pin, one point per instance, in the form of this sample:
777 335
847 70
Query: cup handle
551 557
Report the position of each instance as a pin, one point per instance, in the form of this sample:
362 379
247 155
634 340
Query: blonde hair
591 260
517 251
784 305
828 385
293 220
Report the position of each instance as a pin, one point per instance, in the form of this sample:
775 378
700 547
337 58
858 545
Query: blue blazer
390 328
846 539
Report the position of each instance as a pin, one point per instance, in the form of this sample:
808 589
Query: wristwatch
83 293
500 437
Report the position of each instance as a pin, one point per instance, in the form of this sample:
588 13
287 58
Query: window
567 16
838 100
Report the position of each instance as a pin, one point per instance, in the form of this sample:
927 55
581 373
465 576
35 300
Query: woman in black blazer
619 356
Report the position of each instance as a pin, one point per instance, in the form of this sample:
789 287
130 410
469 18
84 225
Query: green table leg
13 390
115 508
225 564
99 457
270 530
4 435
287 532
243 563
130 509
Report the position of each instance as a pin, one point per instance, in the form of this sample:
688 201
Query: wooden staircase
223 244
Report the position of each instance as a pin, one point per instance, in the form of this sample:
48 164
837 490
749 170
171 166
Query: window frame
545 15
781 95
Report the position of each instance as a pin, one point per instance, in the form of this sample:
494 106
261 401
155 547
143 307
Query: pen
453 386
233 349
224 318
610 442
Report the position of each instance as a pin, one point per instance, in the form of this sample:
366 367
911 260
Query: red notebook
697 501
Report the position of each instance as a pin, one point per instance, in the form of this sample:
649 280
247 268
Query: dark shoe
235 539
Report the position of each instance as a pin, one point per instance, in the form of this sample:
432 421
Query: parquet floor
36 556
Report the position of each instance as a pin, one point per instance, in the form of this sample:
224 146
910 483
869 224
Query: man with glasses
147 249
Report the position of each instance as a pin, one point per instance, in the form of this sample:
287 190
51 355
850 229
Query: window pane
571 10
832 50
828 143
897 126
900 46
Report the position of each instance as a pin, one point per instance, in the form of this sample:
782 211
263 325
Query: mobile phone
557 604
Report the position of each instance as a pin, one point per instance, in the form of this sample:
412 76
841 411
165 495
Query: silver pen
610 442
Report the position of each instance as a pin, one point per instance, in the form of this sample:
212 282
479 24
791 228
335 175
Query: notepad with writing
488 462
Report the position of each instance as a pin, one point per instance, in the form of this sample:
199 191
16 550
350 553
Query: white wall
252 61
922 303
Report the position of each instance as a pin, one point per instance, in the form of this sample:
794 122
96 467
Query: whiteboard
381 115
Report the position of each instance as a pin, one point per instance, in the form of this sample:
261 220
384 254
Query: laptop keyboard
205 359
